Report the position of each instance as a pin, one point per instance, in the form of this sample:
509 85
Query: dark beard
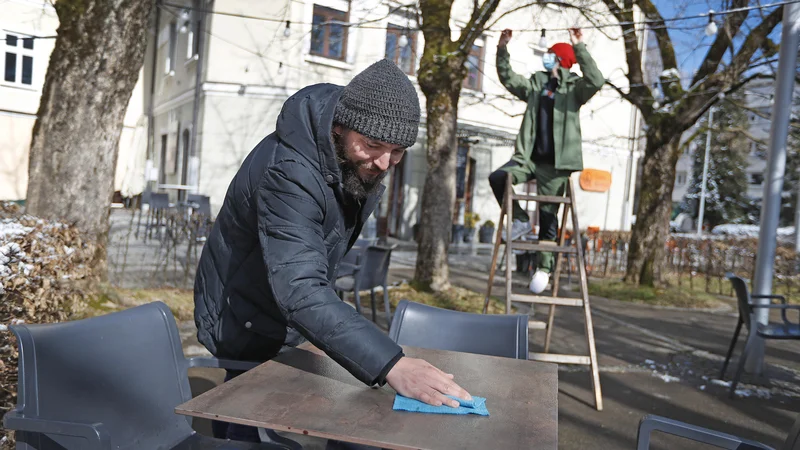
352 183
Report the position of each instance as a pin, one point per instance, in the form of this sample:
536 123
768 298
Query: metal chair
786 330
106 382
144 200
156 214
651 423
420 325
370 270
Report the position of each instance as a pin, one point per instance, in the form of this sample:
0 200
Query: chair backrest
159 200
742 297
203 201
792 441
145 198
419 325
374 267
125 370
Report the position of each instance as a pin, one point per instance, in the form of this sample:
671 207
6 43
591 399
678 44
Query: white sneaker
518 229
539 282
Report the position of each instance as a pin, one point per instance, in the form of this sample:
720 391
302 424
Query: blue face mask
549 61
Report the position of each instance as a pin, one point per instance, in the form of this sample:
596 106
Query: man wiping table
294 208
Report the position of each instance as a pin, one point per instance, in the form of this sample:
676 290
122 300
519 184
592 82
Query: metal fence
693 262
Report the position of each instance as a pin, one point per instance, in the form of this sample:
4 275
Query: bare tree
667 118
441 73
90 77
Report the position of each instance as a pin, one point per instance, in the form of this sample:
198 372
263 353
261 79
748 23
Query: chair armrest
651 423
96 436
773 296
216 363
783 309
351 268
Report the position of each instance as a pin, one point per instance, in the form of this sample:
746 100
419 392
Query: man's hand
575 35
418 379
505 36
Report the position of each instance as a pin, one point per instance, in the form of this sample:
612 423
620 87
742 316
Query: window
169 63
474 76
756 178
404 56
18 59
192 36
680 180
328 33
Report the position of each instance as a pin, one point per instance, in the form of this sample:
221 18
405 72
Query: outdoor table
306 392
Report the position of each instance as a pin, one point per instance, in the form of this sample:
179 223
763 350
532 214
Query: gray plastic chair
370 271
352 259
786 330
203 203
419 325
651 423
106 382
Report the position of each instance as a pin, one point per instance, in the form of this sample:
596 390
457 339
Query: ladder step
541 299
523 245
541 198
561 359
537 325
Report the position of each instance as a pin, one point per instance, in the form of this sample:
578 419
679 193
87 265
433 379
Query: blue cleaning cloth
476 406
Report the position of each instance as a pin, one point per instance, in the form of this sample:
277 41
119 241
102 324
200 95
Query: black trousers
548 219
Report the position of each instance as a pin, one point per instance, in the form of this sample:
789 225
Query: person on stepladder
548 146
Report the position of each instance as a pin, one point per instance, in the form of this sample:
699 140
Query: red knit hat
565 54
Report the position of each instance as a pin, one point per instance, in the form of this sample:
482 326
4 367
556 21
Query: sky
691 43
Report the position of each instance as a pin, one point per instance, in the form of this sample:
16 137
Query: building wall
19 103
252 67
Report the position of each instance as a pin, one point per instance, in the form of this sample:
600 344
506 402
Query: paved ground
652 360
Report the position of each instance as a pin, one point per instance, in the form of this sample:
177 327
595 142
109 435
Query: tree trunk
441 83
90 77
646 255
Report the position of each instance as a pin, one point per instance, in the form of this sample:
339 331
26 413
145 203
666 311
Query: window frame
170 61
329 14
20 52
412 35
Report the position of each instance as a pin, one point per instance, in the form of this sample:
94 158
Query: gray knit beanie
382 104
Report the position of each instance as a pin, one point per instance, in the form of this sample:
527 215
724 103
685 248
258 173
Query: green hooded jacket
572 92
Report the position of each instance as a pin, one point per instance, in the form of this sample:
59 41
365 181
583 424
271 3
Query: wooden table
304 391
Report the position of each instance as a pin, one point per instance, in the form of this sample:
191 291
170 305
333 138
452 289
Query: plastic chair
370 271
156 214
203 203
651 423
786 330
144 200
106 382
352 259
420 325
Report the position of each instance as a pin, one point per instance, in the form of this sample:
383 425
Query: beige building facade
26 31
189 132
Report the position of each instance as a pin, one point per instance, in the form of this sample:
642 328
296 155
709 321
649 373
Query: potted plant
470 220
486 232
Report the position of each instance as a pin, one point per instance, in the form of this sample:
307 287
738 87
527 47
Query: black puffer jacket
269 264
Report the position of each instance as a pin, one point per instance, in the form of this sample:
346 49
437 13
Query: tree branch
476 25
716 52
634 100
585 12
665 46
633 54
729 78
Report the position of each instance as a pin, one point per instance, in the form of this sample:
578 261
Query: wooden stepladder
570 209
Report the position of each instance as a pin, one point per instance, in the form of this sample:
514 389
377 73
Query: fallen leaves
45 276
